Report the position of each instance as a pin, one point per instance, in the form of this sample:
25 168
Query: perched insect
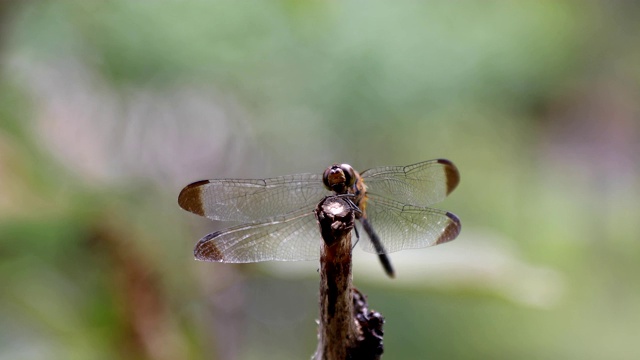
279 223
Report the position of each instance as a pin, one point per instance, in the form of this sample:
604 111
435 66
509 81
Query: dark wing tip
190 197
207 250
451 174
451 231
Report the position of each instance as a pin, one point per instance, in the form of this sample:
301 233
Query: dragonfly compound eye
349 174
338 178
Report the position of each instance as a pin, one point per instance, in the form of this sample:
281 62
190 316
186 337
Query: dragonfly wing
401 227
251 200
292 237
420 184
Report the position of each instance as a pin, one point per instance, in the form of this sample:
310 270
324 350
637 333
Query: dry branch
347 329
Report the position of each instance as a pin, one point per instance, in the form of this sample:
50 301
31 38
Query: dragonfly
278 221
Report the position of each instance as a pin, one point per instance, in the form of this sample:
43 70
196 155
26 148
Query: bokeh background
108 108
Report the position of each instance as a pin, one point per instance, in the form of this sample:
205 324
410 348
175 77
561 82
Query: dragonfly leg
355 228
352 205
356 209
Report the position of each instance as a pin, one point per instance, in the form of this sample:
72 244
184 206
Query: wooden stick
347 329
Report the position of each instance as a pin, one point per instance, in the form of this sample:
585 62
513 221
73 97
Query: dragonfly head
339 178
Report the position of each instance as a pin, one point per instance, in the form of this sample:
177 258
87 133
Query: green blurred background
108 108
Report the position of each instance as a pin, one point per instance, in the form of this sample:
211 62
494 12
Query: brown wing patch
190 197
451 231
207 250
451 174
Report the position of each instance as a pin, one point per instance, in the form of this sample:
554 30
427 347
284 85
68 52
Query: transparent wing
291 237
420 184
401 227
251 200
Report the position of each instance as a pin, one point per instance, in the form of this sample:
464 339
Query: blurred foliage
108 108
